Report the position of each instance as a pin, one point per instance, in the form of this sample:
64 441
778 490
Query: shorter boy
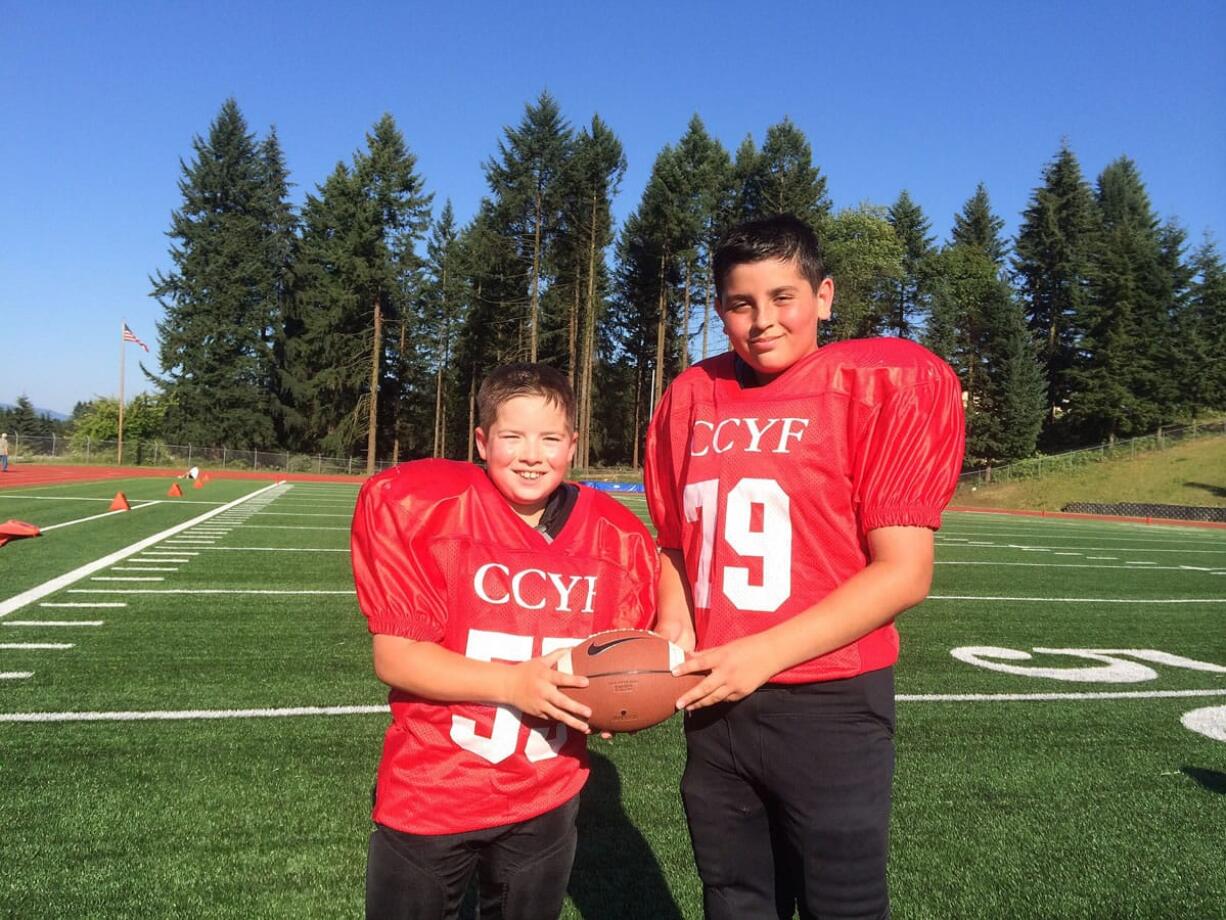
473 583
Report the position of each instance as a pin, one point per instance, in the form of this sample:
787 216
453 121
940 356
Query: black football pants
522 870
787 795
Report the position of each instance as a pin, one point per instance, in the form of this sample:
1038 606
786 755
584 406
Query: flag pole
119 450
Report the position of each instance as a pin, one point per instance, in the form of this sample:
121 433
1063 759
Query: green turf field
189 725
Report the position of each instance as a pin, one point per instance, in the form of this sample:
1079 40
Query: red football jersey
439 556
770 491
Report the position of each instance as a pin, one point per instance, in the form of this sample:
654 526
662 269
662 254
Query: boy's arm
432 672
897 577
674 606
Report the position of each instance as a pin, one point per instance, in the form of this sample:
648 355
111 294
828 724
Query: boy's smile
771 313
527 451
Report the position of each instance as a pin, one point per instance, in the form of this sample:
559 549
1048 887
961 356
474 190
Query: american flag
130 336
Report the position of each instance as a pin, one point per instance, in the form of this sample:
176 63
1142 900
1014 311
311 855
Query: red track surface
27 474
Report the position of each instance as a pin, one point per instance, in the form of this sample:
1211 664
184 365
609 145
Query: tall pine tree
1052 265
225 297
359 273
910 300
526 180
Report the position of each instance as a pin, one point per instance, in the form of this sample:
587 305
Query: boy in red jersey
795 490
473 583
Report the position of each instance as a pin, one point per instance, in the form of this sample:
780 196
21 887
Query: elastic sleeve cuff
404 627
900 516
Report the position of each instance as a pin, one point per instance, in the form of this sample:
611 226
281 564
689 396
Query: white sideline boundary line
50 587
298 711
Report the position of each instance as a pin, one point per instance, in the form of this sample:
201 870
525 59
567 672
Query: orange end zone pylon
175 491
120 503
15 530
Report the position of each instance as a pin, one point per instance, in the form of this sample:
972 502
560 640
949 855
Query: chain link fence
1035 467
153 453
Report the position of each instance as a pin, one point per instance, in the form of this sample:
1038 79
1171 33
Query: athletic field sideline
189 725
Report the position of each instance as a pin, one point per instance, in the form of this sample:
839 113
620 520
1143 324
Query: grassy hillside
1192 473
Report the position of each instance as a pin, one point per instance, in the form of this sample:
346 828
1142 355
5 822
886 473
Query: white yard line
126 578
1033 697
37 645
162 715
94 517
289 527
56 584
311 549
382 709
202 591
1076 565
1080 600
53 623
1107 549
141 568
85 604
16 675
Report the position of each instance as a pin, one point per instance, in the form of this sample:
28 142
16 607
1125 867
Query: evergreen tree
526 181
224 298
866 260
444 302
1202 332
23 420
1052 262
783 179
650 269
359 271
1122 372
979 328
976 225
596 171
911 229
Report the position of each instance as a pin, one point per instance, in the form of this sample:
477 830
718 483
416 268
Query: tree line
363 321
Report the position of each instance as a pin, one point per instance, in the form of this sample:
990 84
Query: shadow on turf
1217 491
616 874
1210 779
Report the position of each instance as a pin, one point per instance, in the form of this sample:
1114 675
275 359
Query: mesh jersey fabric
770 491
438 555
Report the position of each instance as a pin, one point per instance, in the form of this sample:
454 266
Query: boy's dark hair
511 380
783 236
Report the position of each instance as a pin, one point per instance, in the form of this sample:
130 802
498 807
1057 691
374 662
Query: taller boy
795 490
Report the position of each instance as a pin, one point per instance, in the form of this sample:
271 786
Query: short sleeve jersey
770 491
439 556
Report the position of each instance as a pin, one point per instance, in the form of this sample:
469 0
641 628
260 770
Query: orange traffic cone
206 477
120 503
175 491
198 484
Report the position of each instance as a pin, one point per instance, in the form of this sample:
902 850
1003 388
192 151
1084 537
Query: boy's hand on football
535 687
736 670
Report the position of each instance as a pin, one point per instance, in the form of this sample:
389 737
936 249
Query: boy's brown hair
510 380
783 236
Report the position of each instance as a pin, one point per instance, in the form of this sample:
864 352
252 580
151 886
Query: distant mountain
58 416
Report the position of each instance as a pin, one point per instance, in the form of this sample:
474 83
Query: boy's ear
480 437
825 297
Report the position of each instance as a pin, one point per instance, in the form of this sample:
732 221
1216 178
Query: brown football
630 681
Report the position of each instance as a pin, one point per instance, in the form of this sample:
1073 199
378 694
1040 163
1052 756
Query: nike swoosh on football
594 649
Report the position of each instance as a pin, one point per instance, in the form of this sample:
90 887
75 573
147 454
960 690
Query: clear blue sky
98 102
